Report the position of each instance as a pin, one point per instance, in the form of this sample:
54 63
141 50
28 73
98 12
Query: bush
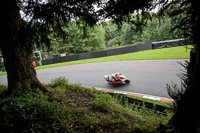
31 112
59 82
105 103
3 90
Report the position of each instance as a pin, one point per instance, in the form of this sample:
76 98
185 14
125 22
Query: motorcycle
116 79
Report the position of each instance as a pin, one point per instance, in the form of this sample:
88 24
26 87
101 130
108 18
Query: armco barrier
87 55
169 43
157 108
47 62
146 46
117 51
98 54
129 49
72 57
111 52
60 59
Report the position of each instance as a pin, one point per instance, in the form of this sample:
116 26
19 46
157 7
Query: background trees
78 40
111 36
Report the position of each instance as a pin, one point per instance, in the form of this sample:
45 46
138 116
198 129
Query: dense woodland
109 35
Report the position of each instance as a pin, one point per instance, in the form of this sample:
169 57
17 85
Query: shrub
105 102
31 112
59 82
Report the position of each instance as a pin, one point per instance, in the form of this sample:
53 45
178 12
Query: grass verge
73 108
166 53
180 52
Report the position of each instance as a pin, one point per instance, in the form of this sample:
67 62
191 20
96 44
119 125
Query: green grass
166 53
158 54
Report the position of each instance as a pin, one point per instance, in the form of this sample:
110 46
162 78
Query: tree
127 33
155 30
112 35
78 41
21 32
16 49
118 36
94 39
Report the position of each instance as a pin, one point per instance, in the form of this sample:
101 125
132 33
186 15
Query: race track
147 76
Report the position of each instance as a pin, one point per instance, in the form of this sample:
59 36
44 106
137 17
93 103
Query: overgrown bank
72 108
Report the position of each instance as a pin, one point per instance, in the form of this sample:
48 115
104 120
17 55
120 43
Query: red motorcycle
116 79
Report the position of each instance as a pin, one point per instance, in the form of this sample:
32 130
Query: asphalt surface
146 76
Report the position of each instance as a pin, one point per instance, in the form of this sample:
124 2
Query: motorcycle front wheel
127 81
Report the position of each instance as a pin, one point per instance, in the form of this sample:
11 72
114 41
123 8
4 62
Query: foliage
110 35
159 30
152 121
30 111
72 109
3 90
61 81
177 92
155 30
180 15
45 22
78 40
103 103
118 37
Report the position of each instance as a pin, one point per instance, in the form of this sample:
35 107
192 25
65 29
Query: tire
127 81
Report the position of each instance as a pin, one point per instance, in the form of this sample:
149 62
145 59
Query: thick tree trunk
20 72
16 51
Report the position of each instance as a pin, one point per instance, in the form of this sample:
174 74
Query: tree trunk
187 117
16 51
20 72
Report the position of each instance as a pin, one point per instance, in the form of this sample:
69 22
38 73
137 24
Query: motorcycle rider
116 78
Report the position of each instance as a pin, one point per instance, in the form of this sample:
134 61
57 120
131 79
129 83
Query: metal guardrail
156 108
